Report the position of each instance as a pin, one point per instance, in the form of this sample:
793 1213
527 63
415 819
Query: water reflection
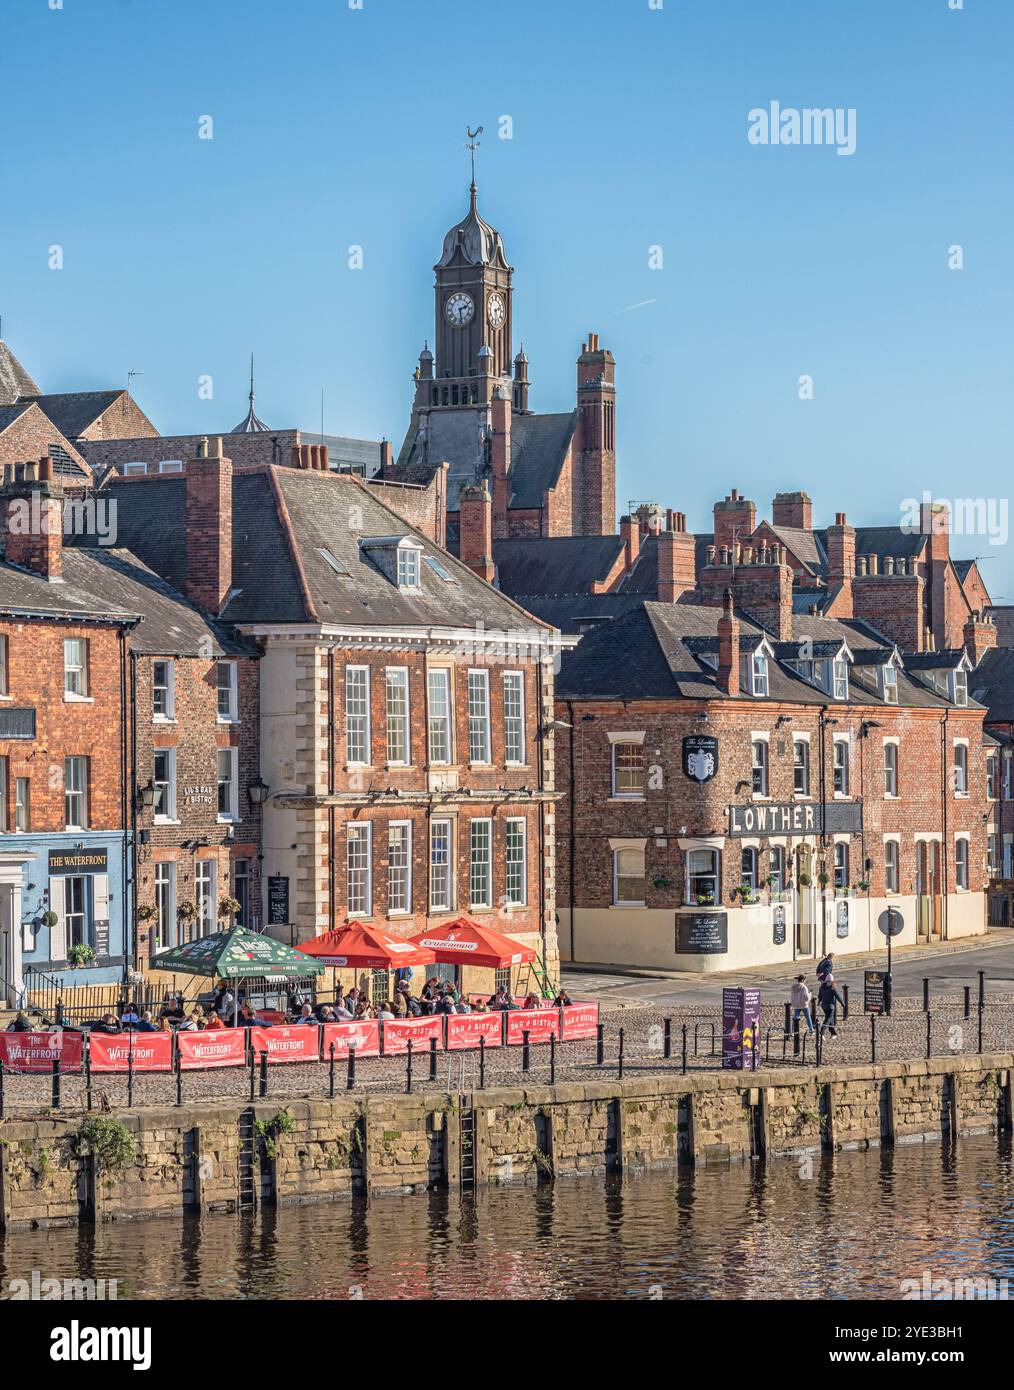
850 1226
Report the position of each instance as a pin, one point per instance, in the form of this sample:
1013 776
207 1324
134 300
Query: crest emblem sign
700 757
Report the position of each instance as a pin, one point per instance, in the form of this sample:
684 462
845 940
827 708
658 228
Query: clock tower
472 310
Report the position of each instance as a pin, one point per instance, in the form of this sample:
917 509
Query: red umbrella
359 947
464 942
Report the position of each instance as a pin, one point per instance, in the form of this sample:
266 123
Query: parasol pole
235 1003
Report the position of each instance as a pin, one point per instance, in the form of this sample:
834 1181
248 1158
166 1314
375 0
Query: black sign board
78 861
796 818
101 939
700 757
702 933
874 991
278 900
17 723
891 922
778 926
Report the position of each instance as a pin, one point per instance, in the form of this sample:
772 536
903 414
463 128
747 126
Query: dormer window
959 686
889 683
408 567
840 676
754 673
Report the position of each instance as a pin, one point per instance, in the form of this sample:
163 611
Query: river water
849 1226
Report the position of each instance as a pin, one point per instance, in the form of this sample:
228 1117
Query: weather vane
473 145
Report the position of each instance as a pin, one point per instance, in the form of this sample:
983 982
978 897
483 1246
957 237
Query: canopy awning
236 954
365 948
464 942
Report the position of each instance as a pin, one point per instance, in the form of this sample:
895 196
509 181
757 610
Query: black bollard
795 1036
433 1059
408 1069
350 1083
968 1001
253 1072
788 1018
982 989
667 1038
330 1074
981 1012
600 1044
929 1034
525 1054
619 1059
263 1087
552 1060
179 1075
87 1076
873 1037
56 1082
925 994
482 1063
684 1049
130 1070
845 1001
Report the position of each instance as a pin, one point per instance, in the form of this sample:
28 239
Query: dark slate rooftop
656 651
1003 617
73 411
555 565
14 380
992 684
539 445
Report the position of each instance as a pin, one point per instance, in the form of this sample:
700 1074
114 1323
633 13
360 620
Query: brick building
403 704
737 794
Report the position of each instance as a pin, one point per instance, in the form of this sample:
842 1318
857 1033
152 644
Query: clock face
495 310
459 309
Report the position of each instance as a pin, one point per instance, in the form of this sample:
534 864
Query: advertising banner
540 1024
151 1051
225 1047
38 1051
296 1043
362 1038
740 1028
465 1030
420 1030
580 1021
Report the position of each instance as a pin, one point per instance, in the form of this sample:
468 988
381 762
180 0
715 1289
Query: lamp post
258 791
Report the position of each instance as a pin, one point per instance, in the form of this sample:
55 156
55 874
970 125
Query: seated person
109 1023
562 1000
307 1015
480 1007
20 1023
129 1015
386 1012
414 1007
144 1024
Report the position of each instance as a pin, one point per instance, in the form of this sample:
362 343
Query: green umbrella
237 954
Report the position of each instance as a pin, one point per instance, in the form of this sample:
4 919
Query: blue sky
335 127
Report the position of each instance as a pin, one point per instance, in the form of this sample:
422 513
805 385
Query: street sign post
891 924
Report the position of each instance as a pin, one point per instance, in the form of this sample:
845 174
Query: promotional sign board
874 1001
796 818
361 1038
278 900
741 1010
580 1021
700 757
118 1052
292 1043
702 933
38 1051
420 1030
540 1024
778 926
225 1047
465 1030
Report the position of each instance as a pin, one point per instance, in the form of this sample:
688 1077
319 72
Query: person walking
825 967
801 999
829 999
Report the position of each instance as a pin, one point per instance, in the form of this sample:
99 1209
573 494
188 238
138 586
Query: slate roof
805 545
992 684
1003 617
555 565
73 411
14 380
539 445
574 613
282 519
645 654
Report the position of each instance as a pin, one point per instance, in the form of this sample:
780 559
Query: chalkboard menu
278 900
101 939
873 993
778 926
702 933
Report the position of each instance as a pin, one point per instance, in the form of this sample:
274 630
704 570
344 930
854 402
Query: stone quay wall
226 1157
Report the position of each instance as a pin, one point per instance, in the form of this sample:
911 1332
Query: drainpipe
943 809
570 795
821 853
330 787
127 854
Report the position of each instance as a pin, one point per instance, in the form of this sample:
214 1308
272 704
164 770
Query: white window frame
694 875
230 689
992 768
842 767
439 724
776 868
358 734
22 805
960 765
759 674
516 867
889 683
72 765
206 896
409 567
441 871
168 815
231 813
514 718
480 834
759 765
892 871
360 834
164 932
961 863
749 867
404 870
75 672
133 468
801 765
170 466
618 850
478 718
840 678
959 687
4 672
4 770
892 772
168 716
993 859
630 793
840 866
395 682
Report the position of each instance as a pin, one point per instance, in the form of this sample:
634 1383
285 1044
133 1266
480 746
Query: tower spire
251 424
472 145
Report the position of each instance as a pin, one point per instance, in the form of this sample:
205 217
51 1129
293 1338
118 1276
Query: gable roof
73 411
555 564
992 684
14 380
539 445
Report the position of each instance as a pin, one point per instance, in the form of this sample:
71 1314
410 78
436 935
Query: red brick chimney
33 518
792 509
841 550
208 483
500 418
475 542
728 648
386 456
630 530
735 520
677 569
980 636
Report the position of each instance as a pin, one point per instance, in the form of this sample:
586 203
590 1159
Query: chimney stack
792 509
386 456
500 450
208 493
980 636
630 530
728 647
475 542
33 519
735 520
677 562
